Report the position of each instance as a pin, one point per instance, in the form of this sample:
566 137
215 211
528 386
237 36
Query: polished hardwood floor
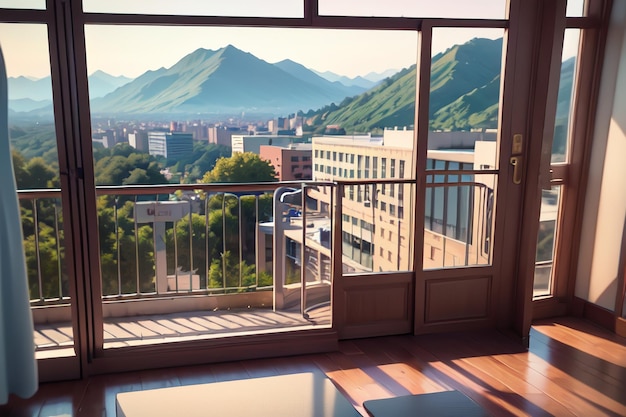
572 368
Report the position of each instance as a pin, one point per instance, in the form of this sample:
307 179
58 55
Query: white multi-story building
252 143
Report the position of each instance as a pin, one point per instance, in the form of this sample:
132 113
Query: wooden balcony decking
572 368
152 329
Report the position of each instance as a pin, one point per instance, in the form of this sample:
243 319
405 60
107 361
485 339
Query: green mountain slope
465 82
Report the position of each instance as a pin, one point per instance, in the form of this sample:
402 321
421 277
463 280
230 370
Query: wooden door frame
510 294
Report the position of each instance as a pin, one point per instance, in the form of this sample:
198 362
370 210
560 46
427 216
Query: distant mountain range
225 81
27 94
366 81
465 81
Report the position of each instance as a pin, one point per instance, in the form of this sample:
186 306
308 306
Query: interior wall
604 221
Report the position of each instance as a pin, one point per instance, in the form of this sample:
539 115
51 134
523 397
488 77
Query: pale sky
132 50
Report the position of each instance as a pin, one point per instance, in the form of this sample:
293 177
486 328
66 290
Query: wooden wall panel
457 299
376 305
372 304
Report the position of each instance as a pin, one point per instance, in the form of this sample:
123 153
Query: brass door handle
516 161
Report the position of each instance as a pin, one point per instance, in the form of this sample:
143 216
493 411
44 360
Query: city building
170 145
291 163
139 140
252 143
222 135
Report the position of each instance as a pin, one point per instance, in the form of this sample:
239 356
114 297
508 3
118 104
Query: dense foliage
242 167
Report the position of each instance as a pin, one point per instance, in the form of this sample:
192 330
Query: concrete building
291 163
222 135
252 143
376 224
139 140
172 145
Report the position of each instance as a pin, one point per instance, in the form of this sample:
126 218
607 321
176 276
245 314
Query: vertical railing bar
137 276
206 239
446 200
470 226
331 242
58 247
37 248
482 215
256 236
398 248
303 252
117 244
224 241
240 242
190 248
488 194
175 235
373 227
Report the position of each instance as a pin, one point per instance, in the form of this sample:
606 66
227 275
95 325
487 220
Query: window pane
380 241
180 99
489 9
575 8
565 102
241 8
23 4
464 105
548 221
36 166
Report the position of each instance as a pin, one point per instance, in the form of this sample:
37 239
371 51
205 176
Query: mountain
32 94
332 87
26 104
28 88
101 83
356 81
224 81
376 77
464 93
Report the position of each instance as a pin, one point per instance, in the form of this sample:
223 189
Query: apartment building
291 163
171 145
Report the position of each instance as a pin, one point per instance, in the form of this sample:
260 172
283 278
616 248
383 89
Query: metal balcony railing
168 240
42 229
160 240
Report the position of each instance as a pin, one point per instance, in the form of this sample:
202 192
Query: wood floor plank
571 369
399 378
193 375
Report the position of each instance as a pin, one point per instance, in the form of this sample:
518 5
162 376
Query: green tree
179 258
238 274
195 169
243 167
122 165
19 169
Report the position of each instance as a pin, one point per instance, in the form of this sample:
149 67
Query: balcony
183 262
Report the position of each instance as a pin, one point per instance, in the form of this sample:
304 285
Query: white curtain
18 367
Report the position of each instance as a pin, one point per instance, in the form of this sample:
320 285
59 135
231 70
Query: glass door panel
462 144
548 227
552 213
32 131
222 106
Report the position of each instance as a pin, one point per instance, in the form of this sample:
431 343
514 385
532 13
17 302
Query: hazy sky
132 50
